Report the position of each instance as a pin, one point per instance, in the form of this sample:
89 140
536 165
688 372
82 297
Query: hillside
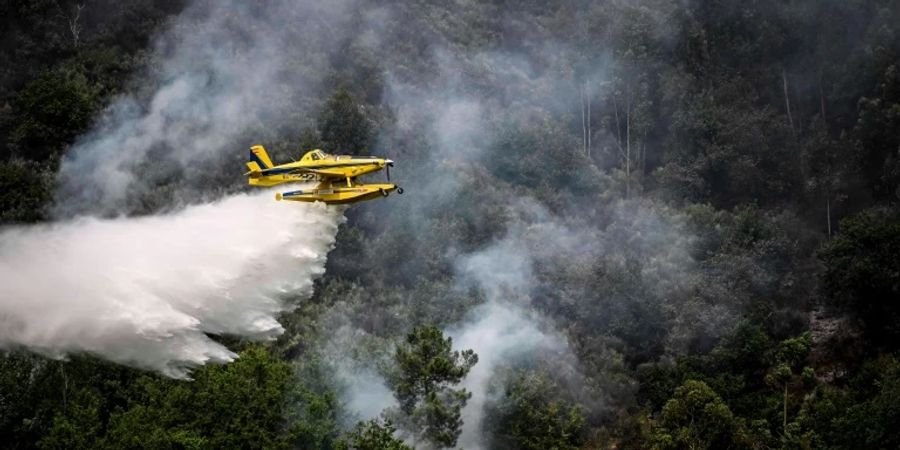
626 224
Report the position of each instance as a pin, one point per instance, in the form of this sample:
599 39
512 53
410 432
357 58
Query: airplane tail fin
259 156
259 161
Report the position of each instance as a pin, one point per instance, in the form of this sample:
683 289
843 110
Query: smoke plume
146 291
502 333
224 72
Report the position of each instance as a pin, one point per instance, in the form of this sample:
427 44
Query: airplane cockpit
315 155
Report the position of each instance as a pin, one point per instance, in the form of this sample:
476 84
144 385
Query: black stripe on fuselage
280 170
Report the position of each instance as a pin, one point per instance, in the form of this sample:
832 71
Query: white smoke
354 369
501 332
225 72
145 291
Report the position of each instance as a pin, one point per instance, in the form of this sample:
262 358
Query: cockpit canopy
315 155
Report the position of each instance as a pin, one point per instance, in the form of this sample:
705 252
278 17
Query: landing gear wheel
400 190
384 193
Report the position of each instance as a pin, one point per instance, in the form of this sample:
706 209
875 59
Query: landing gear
384 193
400 190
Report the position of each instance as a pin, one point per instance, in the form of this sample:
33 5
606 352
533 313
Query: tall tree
374 434
345 127
425 370
532 414
697 418
50 111
862 274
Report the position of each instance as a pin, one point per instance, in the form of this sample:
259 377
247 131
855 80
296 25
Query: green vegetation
696 417
51 111
85 403
425 368
345 127
862 275
721 259
373 435
533 414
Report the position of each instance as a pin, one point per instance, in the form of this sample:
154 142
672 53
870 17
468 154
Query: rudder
259 156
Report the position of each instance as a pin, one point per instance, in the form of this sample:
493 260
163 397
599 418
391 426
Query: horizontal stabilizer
255 170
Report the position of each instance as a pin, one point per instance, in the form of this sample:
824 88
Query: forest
628 224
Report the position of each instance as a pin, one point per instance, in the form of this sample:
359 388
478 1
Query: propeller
387 167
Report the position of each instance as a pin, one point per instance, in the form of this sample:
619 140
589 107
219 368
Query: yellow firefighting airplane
336 175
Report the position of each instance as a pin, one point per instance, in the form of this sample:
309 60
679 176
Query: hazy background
613 203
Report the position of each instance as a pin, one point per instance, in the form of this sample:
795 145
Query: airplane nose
389 162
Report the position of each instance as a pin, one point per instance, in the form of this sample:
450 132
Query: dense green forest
685 211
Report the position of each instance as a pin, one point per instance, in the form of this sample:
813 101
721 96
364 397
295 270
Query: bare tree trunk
787 100
627 143
588 89
62 371
821 97
618 125
644 154
784 420
74 26
583 123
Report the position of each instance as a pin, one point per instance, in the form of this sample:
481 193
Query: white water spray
145 291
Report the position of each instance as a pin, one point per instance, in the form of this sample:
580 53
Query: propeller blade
387 169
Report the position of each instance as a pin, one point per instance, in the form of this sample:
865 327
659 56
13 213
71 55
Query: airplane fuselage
341 167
